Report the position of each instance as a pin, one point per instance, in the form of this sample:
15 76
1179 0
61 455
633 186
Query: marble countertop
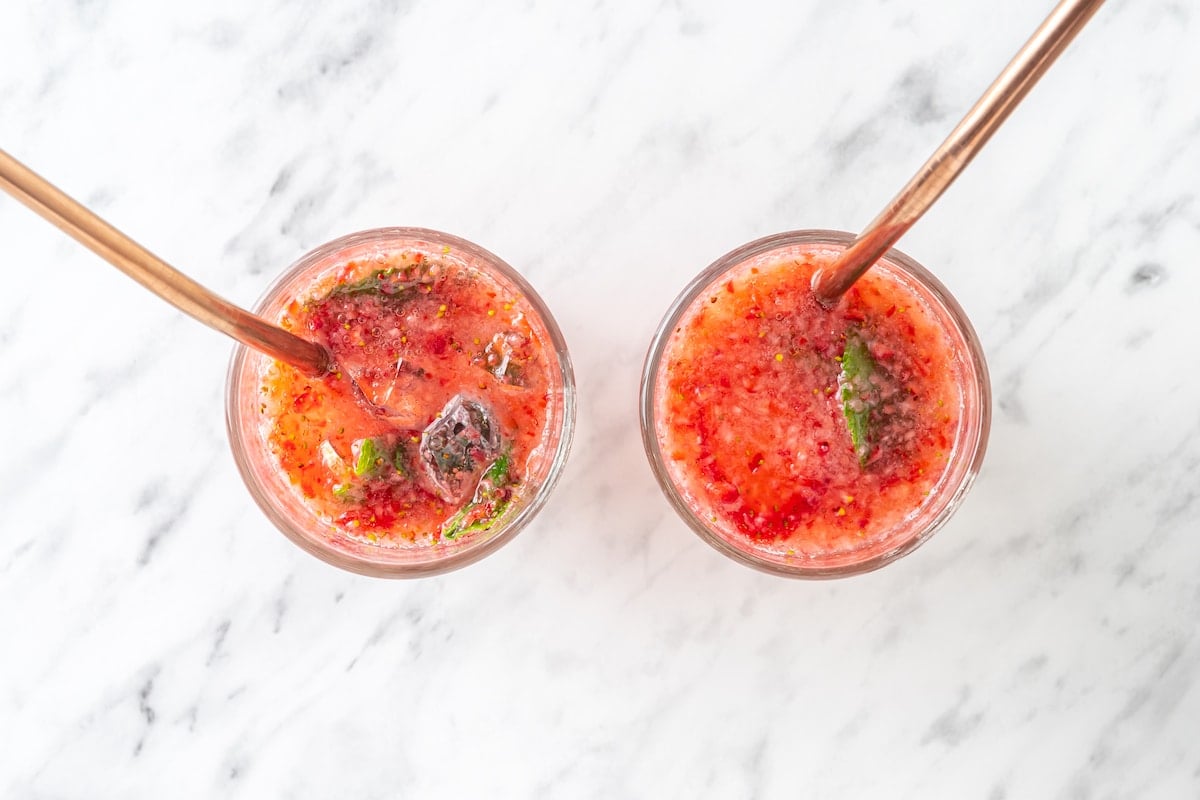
158 638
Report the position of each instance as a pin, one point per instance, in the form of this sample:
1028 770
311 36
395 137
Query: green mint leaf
495 478
386 283
497 473
368 457
858 395
400 460
458 526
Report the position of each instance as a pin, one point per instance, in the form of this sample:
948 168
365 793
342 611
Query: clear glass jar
283 504
881 546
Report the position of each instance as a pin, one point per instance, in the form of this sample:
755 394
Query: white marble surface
158 638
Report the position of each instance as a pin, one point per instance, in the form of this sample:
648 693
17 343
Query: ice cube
457 447
331 459
368 339
395 391
504 356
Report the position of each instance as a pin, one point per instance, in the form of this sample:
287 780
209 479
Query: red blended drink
444 425
807 441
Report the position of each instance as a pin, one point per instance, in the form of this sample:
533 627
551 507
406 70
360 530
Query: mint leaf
459 526
391 282
497 473
368 457
858 394
400 460
490 501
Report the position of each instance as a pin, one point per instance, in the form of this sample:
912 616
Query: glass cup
879 547
283 503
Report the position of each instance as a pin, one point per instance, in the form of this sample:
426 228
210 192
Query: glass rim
562 435
649 381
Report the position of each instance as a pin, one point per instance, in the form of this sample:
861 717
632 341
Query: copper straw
155 274
1027 66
